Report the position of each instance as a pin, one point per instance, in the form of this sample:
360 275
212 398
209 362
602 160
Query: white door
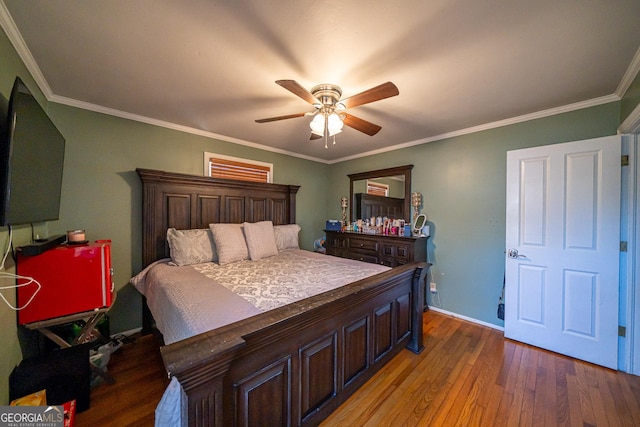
563 243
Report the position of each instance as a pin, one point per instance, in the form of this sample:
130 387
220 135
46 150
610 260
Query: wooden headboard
189 201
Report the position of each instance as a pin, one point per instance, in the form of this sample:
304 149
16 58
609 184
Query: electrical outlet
433 287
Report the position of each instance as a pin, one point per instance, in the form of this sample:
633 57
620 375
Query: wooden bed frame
293 365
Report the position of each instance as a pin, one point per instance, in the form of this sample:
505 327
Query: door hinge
623 246
625 160
622 331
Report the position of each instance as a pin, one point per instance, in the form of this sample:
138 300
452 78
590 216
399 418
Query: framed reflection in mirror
401 174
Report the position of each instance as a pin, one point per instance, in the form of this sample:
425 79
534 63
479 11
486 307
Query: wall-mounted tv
31 162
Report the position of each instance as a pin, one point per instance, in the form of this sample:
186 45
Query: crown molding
155 122
629 75
493 125
514 120
9 26
632 123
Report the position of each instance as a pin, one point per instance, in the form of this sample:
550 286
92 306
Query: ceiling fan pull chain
326 131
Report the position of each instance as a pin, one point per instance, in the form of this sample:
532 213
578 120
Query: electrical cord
29 280
6 275
435 296
124 340
9 247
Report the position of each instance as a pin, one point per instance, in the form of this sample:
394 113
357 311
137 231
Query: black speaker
64 373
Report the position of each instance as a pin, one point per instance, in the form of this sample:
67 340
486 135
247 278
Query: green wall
102 193
463 183
10 354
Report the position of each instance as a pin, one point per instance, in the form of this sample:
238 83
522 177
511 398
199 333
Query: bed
291 365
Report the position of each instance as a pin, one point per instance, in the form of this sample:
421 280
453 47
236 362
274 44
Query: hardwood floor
140 382
468 375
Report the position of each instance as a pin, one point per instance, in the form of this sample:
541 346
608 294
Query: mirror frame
420 220
398 170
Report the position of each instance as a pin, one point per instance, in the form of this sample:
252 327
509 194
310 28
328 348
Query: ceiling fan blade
385 90
288 116
361 124
295 88
314 136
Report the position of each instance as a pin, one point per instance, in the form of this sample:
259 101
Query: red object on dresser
74 279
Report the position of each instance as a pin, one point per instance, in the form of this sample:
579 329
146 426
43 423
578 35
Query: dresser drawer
336 241
358 244
364 256
339 252
397 250
391 251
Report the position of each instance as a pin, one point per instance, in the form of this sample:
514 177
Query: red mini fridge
73 279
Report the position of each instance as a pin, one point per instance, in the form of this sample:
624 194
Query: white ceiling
210 67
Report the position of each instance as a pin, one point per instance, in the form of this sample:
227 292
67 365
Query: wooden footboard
296 364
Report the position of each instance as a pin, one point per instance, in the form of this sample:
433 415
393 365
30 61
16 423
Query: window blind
244 171
377 189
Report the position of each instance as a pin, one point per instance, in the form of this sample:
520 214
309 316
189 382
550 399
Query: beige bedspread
189 300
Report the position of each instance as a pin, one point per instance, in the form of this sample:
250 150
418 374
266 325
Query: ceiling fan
329 114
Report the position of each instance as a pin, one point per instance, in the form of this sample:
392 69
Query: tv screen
31 162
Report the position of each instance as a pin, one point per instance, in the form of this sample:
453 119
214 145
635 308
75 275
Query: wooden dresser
375 248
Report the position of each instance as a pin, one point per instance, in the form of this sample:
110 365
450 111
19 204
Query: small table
92 318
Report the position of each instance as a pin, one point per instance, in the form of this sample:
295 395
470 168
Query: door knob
513 254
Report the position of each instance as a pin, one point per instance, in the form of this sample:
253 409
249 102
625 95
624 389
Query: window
220 166
377 189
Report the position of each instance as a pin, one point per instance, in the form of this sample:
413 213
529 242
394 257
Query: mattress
189 300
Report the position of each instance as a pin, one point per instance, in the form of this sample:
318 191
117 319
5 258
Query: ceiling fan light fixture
329 116
334 124
317 125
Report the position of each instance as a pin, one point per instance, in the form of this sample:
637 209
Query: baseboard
468 319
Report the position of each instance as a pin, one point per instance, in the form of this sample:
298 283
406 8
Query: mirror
398 180
418 225
393 184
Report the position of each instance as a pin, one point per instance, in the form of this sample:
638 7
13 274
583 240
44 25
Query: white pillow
191 246
230 243
286 236
261 240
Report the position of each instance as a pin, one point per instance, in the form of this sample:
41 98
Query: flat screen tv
31 162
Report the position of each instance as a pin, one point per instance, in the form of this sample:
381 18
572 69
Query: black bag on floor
64 373
501 302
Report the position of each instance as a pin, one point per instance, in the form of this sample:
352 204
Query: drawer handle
361 245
